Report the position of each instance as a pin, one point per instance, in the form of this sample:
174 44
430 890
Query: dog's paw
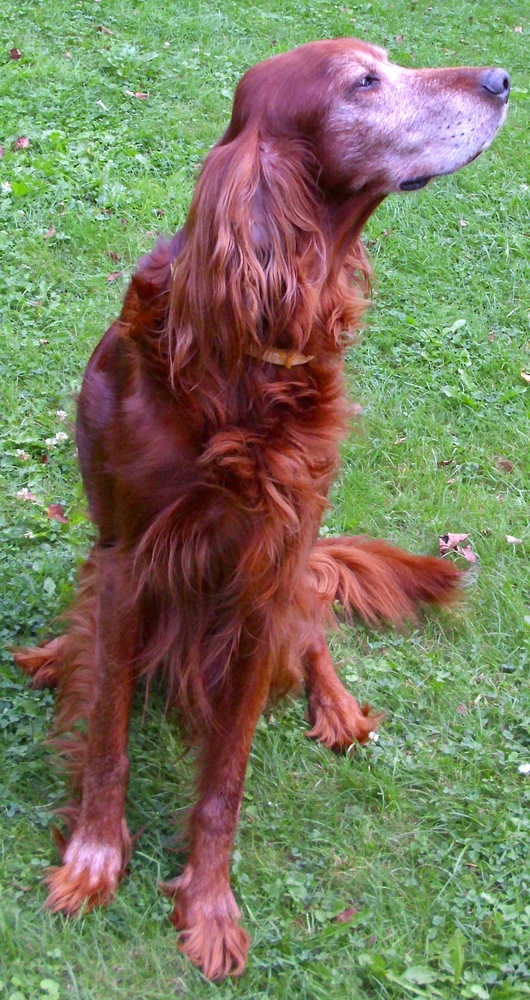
341 722
89 874
209 932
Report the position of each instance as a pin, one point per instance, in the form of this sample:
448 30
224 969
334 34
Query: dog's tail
379 581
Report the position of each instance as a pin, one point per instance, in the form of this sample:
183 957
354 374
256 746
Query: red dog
208 429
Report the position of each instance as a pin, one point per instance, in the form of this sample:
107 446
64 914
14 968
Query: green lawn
425 833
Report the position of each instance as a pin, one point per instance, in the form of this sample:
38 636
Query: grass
425 833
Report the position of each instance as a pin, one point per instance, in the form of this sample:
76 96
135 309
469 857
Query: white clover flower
57 439
61 414
23 455
23 494
524 768
373 737
6 187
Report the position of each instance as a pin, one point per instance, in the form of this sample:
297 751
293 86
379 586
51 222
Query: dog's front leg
206 913
99 847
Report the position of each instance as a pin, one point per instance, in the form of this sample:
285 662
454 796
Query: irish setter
208 430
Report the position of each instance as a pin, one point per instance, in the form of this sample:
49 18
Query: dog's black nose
497 83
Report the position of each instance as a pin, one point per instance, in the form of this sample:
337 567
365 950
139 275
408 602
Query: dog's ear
254 261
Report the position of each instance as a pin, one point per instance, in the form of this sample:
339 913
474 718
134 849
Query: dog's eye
370 80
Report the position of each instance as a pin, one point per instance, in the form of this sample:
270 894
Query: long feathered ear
254 260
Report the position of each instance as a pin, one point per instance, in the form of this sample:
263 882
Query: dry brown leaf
450 542
114 275
512 540
104 30
15 54
140 94
525 376
467 553
445 461
504 464
50 232
21 143
346 915
56 512
113 255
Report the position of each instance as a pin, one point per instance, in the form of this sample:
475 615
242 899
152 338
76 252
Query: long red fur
207 470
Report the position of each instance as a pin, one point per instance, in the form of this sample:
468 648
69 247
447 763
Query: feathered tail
379 581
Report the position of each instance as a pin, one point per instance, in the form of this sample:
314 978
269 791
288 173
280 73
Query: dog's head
370 122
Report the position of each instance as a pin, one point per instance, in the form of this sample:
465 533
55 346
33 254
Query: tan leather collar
277 356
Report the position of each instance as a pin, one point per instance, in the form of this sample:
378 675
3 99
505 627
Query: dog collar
277 356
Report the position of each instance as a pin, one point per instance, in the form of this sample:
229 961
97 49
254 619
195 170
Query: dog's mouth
414 184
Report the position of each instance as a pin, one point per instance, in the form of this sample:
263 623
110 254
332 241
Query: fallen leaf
400 440
400 38
104 30
462 709
140 94
56 512
512 540
43 459
450 541
451 481
504 464
43 340
15 54
467 553
50 232
114 275
25 494
525 376
346 915
112 254
21 143
445 461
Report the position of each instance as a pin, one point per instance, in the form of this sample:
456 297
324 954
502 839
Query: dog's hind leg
337 719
